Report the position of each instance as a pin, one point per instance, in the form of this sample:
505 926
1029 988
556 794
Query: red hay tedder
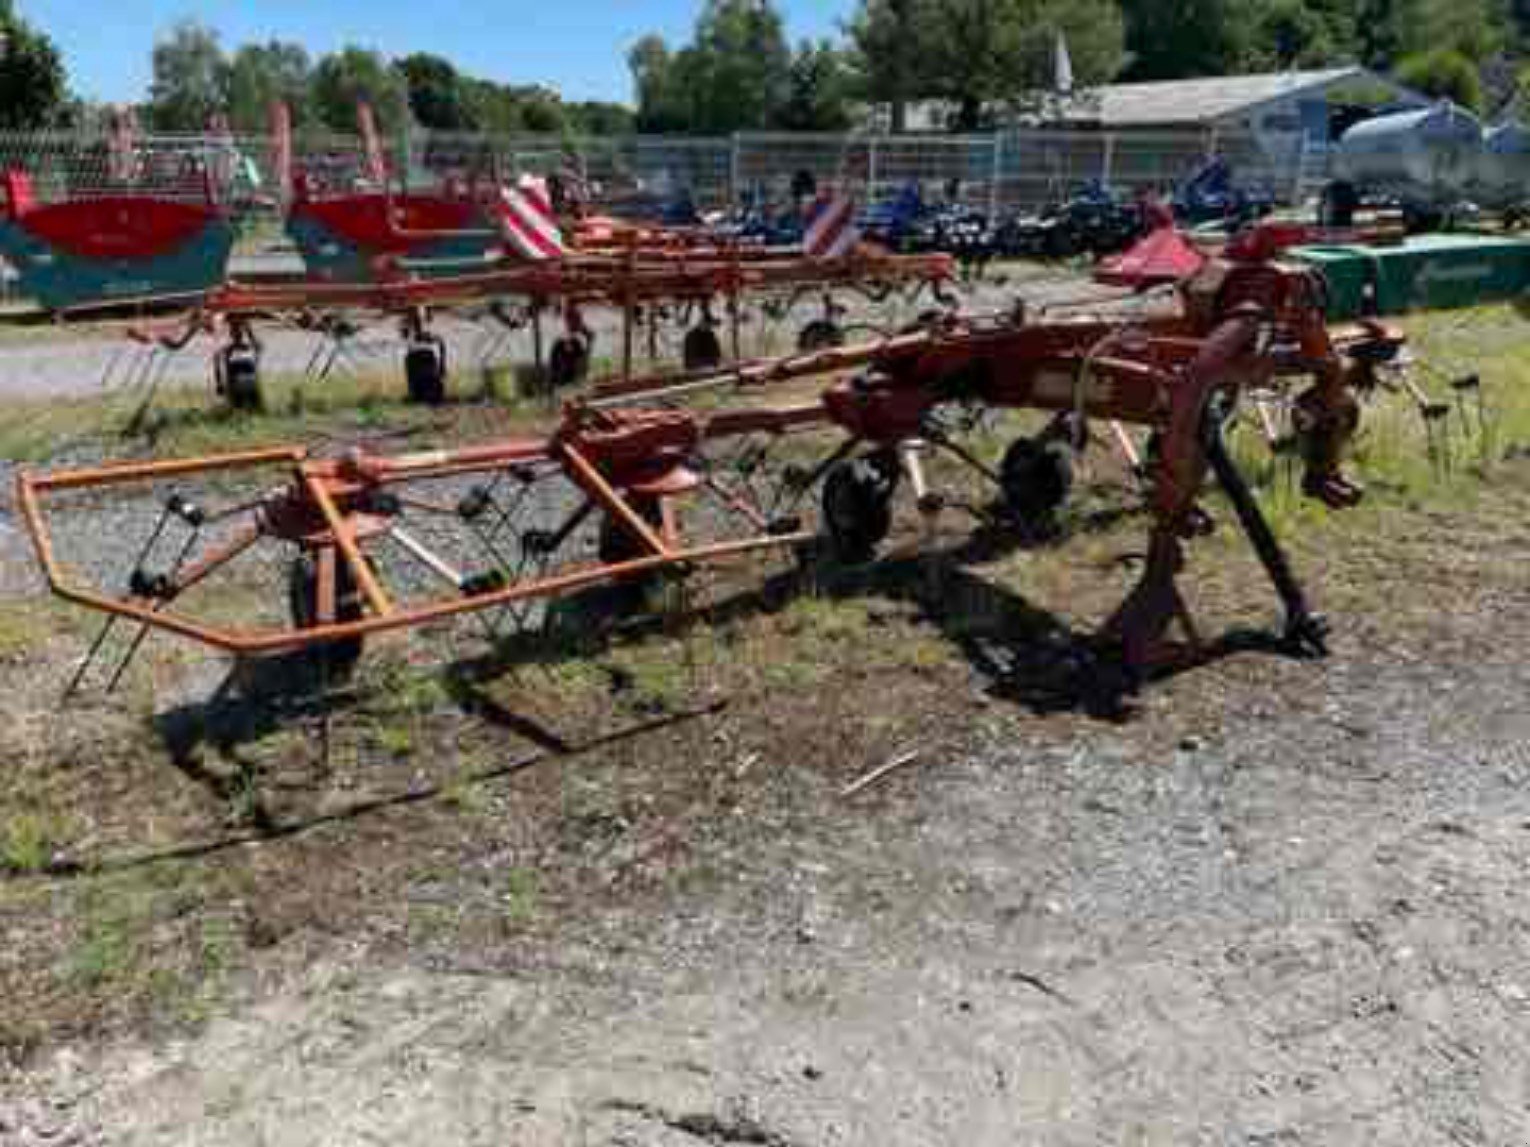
374 543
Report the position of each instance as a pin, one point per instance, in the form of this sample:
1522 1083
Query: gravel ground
1295 919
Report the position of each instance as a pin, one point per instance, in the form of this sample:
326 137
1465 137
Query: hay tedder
632 485
513 257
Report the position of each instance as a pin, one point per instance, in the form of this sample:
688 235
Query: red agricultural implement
143 226
705 293
629 488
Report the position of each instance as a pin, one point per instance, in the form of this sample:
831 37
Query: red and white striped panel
831 232
529 223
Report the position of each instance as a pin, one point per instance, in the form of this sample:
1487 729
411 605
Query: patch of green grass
652 676
397 738
521 896
29 840
465 794
23 626
1402 457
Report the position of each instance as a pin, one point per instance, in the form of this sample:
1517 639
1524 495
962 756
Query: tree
262 74
1474 28
438 97
1445 73
735 73
1169 39
885 38
817 90
190 78
980 52
1289 34
661 104
740 65
594 117
541 109
32 86
344 78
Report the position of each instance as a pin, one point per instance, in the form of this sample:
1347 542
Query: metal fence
1000 172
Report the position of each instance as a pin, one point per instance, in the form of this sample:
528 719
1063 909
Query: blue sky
576 45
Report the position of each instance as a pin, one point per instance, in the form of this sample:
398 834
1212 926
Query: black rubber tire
616 544
702 349
241 384
857 508
820 334
568 362
635 594
1036 478
337 659
425 372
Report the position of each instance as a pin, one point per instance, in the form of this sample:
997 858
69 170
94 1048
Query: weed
521 896
29 840
396 738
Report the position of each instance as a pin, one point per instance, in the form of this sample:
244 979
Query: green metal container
1426 272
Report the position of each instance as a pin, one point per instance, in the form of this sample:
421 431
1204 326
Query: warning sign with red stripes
526 216
831 232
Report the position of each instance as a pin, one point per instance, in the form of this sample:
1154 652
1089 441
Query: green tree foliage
1173 38
1288 34
595 117
735 73
1443 72
818 85
190 84
438 94
32 87
886 39
739 66
1474 28
260 75
351 75
978 53
985 52
663 106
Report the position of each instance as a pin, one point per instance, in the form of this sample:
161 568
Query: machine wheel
702 349
857 507
1338 205
338 658
820 334
1036 477
239 376
616 544
425 371
568 363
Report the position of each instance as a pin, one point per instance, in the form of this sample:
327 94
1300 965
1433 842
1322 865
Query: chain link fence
1000 173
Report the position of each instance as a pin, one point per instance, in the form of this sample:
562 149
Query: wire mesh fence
1000 172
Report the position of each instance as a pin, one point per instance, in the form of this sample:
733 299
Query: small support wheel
617 545
1036 477
568 363
337 659
237 373
820 334
425 370
702 349
857 506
